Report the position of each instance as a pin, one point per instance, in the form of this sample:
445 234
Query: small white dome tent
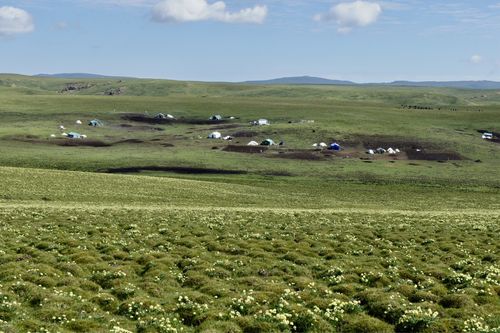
215 135
261 122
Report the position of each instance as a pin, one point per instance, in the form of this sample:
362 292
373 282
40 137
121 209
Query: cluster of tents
218 135
334 146
266 142
382 151
164 116
76 135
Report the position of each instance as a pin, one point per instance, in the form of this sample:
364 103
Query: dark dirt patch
428 150
81 143
182 170
244 134
140 118
141 128
245 149
305 155
138 141
133 141
434 155
63 142
223 127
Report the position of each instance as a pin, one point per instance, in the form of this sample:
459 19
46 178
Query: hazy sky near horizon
237 40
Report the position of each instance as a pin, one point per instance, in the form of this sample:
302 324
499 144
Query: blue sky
236 40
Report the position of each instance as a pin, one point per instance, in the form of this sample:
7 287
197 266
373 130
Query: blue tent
335 146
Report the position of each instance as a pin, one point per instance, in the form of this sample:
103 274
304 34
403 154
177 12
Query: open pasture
359 118
148 226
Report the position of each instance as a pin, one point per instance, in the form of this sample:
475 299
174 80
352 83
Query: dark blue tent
335 146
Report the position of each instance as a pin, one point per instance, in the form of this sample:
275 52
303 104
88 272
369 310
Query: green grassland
218 241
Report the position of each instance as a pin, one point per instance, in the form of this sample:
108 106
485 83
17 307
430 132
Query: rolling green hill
146 225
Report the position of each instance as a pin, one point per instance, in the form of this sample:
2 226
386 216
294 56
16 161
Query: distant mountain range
311 80
450 84
302 80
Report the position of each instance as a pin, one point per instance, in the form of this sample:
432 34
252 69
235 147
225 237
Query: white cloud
62 25
201 10
349 15
476 59
136 3
15 21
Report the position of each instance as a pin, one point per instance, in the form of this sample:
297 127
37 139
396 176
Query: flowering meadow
105 269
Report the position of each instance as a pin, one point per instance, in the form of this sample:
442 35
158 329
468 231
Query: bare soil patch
80 143
133 141
245 149
181 170
306 155
64 142
130 127
223 127
244 134
411 149
140 118
434 155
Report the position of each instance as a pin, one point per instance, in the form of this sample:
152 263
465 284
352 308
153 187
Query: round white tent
215 135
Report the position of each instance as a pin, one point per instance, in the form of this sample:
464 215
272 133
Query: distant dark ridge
310 80
450 84
302 80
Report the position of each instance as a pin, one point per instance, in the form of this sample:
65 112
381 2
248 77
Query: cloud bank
476 59
179 11
15 21
349 15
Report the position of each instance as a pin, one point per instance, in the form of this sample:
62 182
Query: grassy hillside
352 116
148 226
110 253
